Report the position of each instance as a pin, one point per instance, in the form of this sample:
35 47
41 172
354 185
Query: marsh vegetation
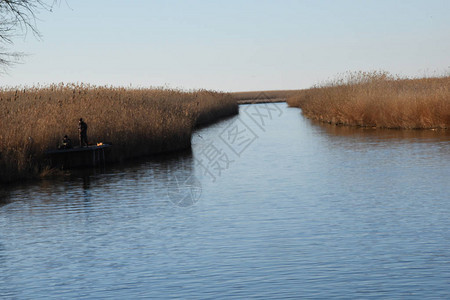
378 99
137 122
263 96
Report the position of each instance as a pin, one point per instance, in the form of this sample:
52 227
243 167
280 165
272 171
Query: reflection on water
4 197
160 174
306 211
383 134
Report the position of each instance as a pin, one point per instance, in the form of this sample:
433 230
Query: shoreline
378 100
260 101
169 152
138 123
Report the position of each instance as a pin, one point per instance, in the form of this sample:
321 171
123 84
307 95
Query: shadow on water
4 197
413 135
169 175
354 138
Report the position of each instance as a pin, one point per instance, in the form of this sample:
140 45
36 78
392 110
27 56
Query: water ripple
306 211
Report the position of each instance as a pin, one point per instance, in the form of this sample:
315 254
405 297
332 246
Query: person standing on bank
82 129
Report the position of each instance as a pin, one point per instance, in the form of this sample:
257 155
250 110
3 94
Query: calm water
267 205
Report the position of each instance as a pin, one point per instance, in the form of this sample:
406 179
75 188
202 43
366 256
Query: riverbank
255 97
378 100
137 122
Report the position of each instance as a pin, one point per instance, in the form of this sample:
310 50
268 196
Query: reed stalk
378 99
137 122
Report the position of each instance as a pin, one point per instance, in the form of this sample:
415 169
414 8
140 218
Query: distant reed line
378 99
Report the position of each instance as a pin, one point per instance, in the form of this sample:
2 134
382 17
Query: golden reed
378 99
137 121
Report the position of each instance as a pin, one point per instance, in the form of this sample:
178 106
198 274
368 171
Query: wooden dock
89 156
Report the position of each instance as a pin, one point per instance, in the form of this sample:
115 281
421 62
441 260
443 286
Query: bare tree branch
18 17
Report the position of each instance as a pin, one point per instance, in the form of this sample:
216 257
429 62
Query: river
267 205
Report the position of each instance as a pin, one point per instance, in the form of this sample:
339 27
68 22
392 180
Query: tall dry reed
378 99
137 121
265 95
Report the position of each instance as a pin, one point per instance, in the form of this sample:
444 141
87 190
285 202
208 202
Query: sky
231 45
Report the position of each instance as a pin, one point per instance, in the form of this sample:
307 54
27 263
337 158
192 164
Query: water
267 205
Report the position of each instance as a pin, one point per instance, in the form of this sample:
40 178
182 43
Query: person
66 143
82 129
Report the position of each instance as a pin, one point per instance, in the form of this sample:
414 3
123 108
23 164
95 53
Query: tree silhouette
18 17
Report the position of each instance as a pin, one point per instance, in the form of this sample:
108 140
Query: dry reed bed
137 121
378 99
264 96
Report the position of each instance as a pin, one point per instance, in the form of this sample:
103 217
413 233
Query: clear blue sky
232 45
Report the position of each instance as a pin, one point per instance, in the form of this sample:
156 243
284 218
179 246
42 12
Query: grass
380 100
138 122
